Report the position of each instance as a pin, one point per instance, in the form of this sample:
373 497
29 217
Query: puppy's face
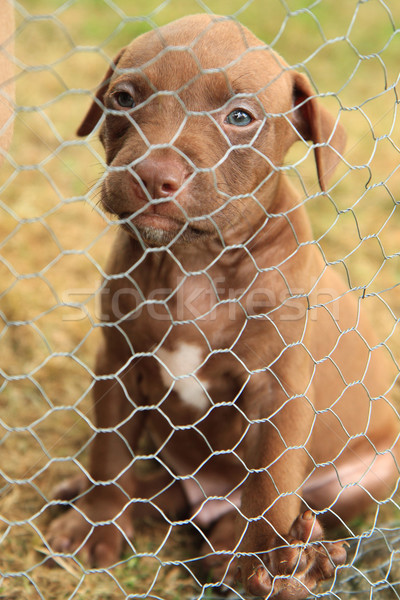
199 116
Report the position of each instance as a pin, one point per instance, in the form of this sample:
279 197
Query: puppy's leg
218 563
157 493
70 489
97 524
282 552
364 472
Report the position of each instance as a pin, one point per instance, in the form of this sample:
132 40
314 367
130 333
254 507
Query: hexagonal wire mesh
55 239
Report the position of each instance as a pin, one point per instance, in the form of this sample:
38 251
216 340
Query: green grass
350 51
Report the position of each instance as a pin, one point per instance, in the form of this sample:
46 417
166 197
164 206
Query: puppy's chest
185 379
185 325
197 299
195 307
182 372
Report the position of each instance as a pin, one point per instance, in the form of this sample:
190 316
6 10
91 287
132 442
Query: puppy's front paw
70 489
295 564
96 536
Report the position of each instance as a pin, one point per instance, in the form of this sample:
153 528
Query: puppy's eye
239 117
124 100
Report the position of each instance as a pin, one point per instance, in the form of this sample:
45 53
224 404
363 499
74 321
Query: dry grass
54 241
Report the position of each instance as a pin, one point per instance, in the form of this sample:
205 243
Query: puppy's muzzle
160 192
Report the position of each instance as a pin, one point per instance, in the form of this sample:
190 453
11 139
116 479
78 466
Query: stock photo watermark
165 304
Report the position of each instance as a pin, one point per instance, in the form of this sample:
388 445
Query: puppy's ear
313 122
96 108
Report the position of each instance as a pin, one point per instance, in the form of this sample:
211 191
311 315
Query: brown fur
214 263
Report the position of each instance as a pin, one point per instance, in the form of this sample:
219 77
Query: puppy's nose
161 178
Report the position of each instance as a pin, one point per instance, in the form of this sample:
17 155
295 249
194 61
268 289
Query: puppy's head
198 118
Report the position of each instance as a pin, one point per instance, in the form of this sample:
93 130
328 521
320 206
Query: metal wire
54 242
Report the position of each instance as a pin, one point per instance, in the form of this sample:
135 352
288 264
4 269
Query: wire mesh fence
227 395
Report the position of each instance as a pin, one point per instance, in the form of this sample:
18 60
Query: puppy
227 338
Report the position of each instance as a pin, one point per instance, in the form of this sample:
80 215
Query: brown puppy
226 337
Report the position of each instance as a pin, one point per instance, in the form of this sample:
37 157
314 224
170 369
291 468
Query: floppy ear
96 108
313 122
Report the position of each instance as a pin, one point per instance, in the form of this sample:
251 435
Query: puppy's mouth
157 230
152 220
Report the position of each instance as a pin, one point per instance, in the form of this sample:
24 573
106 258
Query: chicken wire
55 240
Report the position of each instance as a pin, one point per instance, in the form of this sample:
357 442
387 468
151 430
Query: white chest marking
179 368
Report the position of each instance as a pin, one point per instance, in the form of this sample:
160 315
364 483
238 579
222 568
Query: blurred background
54 241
